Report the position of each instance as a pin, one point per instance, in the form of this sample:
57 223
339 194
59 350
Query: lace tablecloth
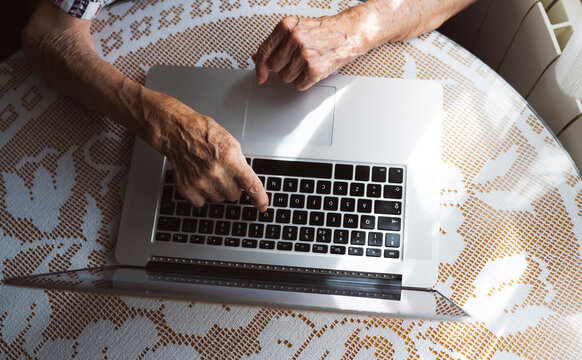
511 203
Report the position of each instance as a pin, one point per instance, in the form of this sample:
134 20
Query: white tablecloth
511 204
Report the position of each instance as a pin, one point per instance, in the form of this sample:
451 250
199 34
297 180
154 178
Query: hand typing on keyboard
208 162
322 208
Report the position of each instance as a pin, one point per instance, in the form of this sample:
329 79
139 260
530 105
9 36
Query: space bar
292 168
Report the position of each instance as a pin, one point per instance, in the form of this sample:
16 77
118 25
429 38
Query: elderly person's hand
304 51
207 160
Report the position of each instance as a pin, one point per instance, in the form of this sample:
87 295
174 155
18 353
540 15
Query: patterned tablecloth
511 203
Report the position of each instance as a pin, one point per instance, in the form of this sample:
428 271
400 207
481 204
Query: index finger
249 182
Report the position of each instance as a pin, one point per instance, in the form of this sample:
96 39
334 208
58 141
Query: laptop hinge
273 277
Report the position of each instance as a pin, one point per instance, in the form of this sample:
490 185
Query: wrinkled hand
207 161
303 51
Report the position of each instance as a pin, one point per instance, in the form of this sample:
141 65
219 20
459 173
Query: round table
511 203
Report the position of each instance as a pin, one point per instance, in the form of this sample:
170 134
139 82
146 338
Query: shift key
389 223
166 223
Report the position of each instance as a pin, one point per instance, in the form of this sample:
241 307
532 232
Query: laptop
351 167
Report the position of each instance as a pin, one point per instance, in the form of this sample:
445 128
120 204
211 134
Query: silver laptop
351 167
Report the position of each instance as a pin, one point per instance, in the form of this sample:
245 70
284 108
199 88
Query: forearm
381 21
61 49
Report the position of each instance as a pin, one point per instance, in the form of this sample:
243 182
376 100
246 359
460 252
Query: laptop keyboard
324 208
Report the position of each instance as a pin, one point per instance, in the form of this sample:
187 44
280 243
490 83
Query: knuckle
288 23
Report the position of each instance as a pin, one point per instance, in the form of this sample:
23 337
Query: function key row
279 245
378 174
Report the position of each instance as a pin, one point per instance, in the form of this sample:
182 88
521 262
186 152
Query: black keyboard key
340 236
387 207
200 211
205 226
216 211
167 193
350 221
374 190
362 173
293 168
249 243
392 240
367 222
189 225
290 232
314 202
344 172
262 179
373 252
181 238
348 204
274 183
273 232
167 207
214 240
232 212
357 189
290 185
307 234
161 236
330 203
248 160
234 242
267 244
302 247
340 188
284 245
197 239
364 206
169 178
256 230
323 235
392 192
389 223
358 238
297 201
319 248
249 213
316 218
239 229
379 174
395 175
323 187
267 216
375 238
222 228
283 216
183 209
307 186
300 217
280 199
337 250
245 199
168 223
333 220
356 251
393 254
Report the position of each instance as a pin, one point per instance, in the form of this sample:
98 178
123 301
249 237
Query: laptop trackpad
277 113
